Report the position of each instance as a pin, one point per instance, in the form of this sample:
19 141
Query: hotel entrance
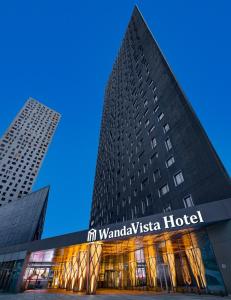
111 279
172 262
181 261
134 268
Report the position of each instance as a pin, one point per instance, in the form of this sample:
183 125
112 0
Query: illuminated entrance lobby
176 261
184 251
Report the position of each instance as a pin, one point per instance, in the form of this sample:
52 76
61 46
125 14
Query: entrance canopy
175 261
168 251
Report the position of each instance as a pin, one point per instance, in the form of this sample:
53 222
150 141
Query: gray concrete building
154 155
23 148
22 220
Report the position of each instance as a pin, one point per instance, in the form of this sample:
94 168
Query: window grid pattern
146 120
23 147
128 164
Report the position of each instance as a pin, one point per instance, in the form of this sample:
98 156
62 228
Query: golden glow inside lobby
181 261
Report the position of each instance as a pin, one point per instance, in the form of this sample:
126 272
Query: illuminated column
62 276
132 267
74 268
95 253
150 259
194 256
57 276
58 270
55 281
121 271
67 268
66 273
169 259
80 280
185 271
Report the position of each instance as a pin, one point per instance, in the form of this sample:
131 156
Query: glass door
163 277
111 279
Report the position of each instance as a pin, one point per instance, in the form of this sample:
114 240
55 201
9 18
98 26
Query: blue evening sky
61 53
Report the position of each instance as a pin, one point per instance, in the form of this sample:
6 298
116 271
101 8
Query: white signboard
136 228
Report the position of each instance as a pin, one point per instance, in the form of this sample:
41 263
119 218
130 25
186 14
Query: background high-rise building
153 155
23 148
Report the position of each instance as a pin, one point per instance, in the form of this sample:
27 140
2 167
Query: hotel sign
167 222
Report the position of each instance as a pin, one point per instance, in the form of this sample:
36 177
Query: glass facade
11 266
39 272
181 261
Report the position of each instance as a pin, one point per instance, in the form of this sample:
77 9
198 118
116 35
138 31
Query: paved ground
54 296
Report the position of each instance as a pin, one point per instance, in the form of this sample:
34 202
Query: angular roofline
34 99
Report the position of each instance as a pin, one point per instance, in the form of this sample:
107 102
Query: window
153 143
168 144
160 117
155 99
168 208
138 133
188 202
142 207
144 184
156 108
129 199
151 129
151 82
156 175
170 161
132 179
146 111
166 128
154 89
145 167
163 190
140 156
152 158
147 123
139 173
178 178
148 200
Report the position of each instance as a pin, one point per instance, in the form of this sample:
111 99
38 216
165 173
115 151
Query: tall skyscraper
23 148
153 155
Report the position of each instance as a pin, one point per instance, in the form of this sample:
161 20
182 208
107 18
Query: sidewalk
58 296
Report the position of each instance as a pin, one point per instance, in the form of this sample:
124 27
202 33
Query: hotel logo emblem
91 236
